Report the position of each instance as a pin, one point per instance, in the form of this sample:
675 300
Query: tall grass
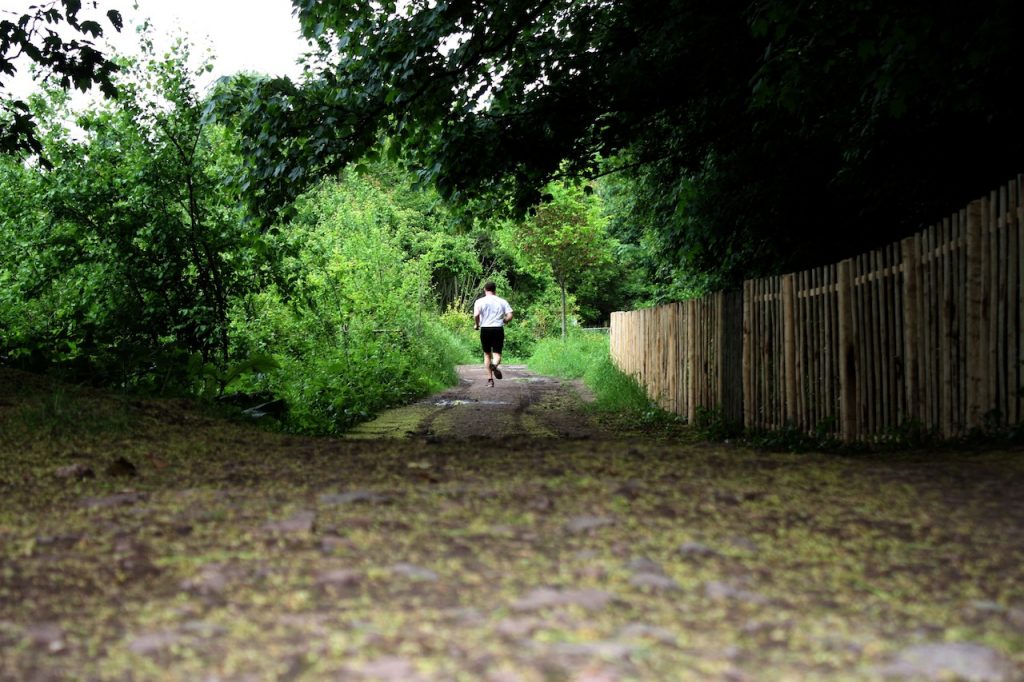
585 355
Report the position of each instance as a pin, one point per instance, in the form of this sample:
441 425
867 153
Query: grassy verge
618 397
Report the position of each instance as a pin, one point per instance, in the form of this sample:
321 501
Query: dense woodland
317 245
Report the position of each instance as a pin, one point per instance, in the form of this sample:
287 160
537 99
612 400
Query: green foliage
536 318
124 257
567 235
352 321
570 358
132 263
759 135
584 355
819 134
564 249
210 380
458 324
714 425
72 62
61 412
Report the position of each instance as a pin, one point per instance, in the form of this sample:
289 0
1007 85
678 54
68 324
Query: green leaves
352 317
72 63
114 17
211 380
786 111
427 81
140 245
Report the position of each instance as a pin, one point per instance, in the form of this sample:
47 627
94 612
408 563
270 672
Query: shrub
353 327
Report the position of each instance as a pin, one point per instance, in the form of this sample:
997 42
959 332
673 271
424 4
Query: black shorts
492 339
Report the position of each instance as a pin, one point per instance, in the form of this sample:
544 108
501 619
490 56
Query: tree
73 62
126 255
483 97
765 133
567 234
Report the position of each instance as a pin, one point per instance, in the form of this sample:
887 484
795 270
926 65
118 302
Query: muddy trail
520 405
491 534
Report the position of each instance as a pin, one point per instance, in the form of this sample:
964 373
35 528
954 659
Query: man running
490 314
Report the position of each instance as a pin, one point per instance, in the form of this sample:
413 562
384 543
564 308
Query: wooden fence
926 332
699 338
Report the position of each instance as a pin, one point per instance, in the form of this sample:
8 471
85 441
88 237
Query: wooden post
931 349
1017 209
825 338
996 217
1016 295
975 319
911 247
946 330
989 368
1012 261
804 332
881 364
789 345
748 355
611 338
989 310
691 324
720 359
847 352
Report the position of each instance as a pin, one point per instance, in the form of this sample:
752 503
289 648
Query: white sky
251 35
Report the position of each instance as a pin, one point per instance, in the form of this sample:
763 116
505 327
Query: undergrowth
584 355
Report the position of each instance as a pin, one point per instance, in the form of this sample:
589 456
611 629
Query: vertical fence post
613 340
910 248
720 357
847 353
691 333
748 355
975 317
789 346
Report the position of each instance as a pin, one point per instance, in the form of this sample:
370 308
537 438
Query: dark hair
490 286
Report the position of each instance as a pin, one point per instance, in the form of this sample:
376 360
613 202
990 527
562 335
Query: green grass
65 410
585 356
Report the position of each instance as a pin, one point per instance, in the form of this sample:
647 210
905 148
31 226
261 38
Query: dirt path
520 405
145 541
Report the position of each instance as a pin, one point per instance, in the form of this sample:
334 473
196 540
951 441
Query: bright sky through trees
260 36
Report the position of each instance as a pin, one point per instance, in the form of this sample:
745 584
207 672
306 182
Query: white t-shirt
492 310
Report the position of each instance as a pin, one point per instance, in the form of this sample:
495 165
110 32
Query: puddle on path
444 402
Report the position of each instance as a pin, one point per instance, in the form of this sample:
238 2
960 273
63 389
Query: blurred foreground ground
490 534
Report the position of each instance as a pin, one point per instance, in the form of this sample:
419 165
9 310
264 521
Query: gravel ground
490 534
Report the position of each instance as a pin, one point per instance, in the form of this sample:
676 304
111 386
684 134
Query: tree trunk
561 284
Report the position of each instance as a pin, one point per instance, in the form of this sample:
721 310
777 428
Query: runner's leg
485 345
499 345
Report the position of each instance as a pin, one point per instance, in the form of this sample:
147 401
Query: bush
459 324
354 327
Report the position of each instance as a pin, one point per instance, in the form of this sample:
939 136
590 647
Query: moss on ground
221 551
